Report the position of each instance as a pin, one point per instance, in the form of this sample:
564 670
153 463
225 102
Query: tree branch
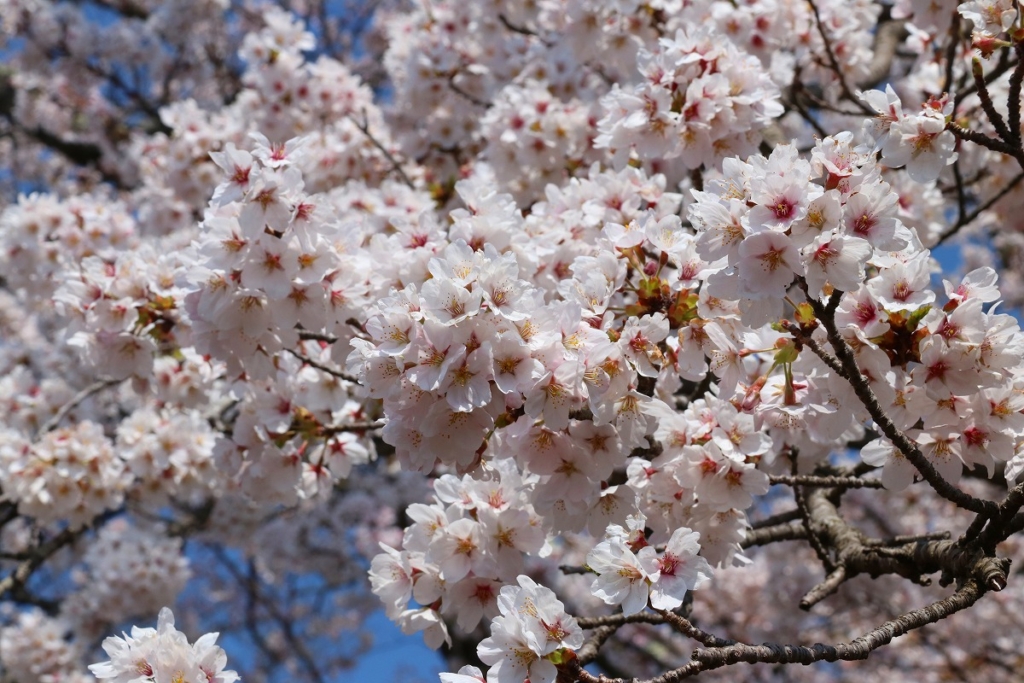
323 368
364 128
849 369
818 482
708 658
75 401
834 63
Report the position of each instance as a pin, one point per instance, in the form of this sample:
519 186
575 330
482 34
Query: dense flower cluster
458 552
70 474
119 316
42 236
528 128
700 99
594 275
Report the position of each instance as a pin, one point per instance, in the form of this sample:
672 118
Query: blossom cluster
529 636
920 142
458 552
163 654
549 271
528 128
700 99
630 571
170 454
71 473
34 648
123 312
41 236
777 227
273 259
27 404
786 37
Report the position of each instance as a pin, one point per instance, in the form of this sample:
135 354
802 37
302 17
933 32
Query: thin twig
75 401
1001 68
364 127
834 63
954 40
250 579
677 621
982 208
469 96
805 519
354 427
806 115
323 368
515 29
961 196
306 335
779 518
1013 100
824 589
996 531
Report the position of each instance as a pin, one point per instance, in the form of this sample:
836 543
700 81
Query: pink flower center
782 208
901 290
863 224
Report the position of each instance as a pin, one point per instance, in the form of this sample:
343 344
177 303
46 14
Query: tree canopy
591 341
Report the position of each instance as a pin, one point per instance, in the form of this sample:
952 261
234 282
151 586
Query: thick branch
790 531
888 37
856 554
713 658
825 482
986 141
987 105
592 646
705 659
1013 100
17 579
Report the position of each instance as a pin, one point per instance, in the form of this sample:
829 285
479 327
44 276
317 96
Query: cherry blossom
516 321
